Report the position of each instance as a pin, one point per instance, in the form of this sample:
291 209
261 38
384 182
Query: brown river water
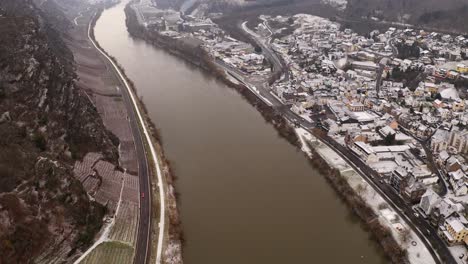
247 195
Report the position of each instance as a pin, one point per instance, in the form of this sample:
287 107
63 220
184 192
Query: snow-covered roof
456 225
398 148
450 93
386 130
364 147
457 175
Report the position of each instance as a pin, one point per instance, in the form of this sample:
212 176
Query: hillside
46 124
447 15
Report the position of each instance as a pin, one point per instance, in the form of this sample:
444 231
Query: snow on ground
338 4
417 252
462 199
305 21
457 252
304 136
306 117
385 166
450 93
341 63
452 65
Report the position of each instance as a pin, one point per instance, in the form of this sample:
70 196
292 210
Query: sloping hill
447 15
46 123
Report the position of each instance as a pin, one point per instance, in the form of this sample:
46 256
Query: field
119 192
126 222
110 253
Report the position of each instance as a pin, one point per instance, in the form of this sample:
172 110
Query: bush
40 141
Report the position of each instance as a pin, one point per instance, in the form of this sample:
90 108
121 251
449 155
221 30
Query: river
247 195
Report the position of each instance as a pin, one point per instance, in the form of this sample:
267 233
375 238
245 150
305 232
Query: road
267 96
425 143
143 142
425 231
278 67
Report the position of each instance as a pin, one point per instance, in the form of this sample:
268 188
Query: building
365 151
443 209
459 140
439 141
462 68
458 106
428 201
386 131
356 107
414 190
459 182
365 65
454 230
398 178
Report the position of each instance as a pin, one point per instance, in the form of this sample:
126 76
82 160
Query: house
414 190
422 131
458 181
462 68
431 87
288 98
439 141
452 164
386 131
422 172
443 157
387 120
458 106
365 152
428 200
442 210
398 178
365 65
454 230
356 107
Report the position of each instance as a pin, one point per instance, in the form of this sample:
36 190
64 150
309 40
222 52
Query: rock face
46 124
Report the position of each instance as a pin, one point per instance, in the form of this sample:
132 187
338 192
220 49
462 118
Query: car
416 214
142 195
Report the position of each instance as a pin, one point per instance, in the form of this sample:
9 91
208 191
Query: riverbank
200 58
399 242
361 209
172 246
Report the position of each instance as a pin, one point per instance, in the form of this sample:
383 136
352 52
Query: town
394 101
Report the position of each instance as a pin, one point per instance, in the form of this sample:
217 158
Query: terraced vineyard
109 186
110 253
126 223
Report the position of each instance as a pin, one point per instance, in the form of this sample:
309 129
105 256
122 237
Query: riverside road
142 250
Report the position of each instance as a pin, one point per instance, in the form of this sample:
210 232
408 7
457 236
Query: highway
143 143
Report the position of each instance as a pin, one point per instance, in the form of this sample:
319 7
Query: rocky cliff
46 123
